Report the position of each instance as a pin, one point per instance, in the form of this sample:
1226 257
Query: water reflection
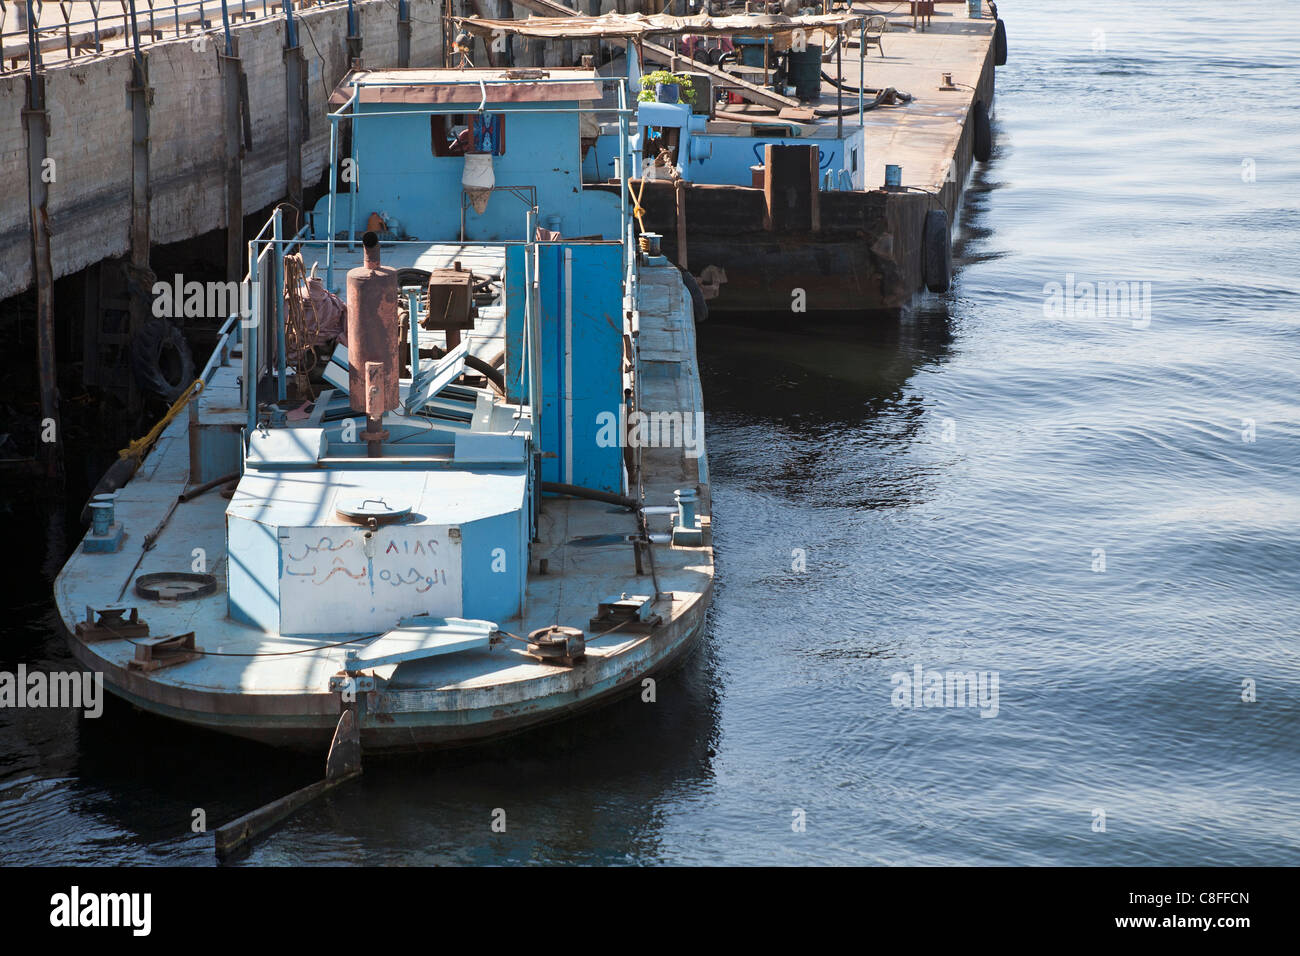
788 407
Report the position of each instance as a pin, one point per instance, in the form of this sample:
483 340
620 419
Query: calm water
951 482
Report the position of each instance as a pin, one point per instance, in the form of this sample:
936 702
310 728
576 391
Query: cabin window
853 160
459 133
661 139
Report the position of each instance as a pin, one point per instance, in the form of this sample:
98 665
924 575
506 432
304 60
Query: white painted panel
335 580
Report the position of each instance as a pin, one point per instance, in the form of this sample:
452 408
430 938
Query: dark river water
1100 509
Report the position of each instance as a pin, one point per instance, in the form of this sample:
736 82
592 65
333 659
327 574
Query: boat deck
275 688
487 261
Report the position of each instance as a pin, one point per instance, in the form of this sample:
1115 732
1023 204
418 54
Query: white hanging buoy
478 179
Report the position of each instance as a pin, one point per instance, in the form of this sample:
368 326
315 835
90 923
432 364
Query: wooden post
839 84
140 225
234 142
679 188
814 190
295 96
354 33
494 58
790 188
403 33
37 124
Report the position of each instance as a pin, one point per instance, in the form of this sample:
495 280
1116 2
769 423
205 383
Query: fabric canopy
636 25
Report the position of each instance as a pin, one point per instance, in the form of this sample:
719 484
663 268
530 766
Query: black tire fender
936 249
1000 43
161 359
117 475
699 307
982 145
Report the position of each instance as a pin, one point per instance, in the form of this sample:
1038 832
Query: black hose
881 97
117 475
193 493
846 87
577 491
493 375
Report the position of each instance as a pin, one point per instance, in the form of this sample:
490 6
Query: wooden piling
36 122
680 187
295 96
140 222
403 34
234 140
790 190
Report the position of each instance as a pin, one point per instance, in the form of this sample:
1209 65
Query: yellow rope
138 447
637 209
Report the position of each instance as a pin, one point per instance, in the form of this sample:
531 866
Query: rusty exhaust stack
370 250
372 342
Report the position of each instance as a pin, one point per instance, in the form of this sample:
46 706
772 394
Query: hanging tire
699 307
161 360
936 247
1000 43
982 147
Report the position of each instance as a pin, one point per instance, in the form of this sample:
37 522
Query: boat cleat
111 622
624 609
687 531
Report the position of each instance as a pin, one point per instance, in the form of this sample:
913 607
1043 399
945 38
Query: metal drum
806 72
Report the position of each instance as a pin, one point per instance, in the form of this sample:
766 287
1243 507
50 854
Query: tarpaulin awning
638 25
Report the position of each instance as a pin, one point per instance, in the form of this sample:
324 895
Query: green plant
686 88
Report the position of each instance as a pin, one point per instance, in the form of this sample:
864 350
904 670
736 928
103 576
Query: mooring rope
139 446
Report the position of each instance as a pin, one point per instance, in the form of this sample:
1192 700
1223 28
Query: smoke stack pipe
370 250
372 340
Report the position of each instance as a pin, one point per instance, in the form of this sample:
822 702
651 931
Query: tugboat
487 507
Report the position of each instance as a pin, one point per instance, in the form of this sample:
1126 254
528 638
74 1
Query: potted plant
666 86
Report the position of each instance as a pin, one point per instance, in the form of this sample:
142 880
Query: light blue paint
485 503
494 566
570 418
254 567
215 451
399 176
726 160
469 489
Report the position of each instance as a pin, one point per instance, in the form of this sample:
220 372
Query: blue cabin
412 132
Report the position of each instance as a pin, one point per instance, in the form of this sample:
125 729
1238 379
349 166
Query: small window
459 133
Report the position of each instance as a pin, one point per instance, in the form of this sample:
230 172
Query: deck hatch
416 638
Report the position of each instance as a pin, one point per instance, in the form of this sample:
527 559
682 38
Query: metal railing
71 28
